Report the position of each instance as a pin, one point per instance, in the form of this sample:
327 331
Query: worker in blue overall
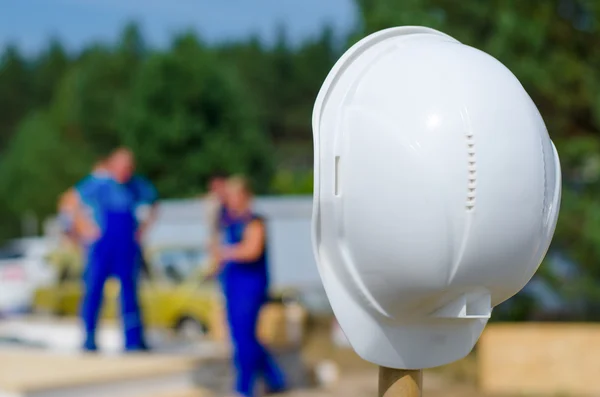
244 278
108 233
145 196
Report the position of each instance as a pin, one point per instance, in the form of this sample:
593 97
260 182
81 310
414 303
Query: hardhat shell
436 194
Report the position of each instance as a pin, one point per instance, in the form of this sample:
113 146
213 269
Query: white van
23 268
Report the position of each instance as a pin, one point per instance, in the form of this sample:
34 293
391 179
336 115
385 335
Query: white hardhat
436 194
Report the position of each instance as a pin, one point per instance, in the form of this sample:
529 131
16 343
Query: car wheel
190 329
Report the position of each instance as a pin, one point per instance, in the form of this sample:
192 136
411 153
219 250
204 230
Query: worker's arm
212 215
83 227
153 214
149 210
252 245
67 207
147 220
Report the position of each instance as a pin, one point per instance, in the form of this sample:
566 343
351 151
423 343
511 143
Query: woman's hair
239 181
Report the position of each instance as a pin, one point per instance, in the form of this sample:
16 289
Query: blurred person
70 246
145 197
67 205
243 274
107 209
216 213
215 204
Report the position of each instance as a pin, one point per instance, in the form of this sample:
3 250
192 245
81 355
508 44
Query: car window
11 252
70 273
177 264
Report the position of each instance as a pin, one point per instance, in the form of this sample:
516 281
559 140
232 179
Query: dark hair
219 174
102 153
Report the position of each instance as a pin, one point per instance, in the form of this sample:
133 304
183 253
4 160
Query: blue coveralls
245 286
144 194
114 254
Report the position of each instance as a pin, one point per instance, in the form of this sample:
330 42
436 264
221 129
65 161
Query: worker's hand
212 270
215 252
85 228
89 232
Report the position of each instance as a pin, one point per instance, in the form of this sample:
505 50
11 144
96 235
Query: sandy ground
357 378
364 384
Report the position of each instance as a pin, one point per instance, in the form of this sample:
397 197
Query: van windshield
177 264
11 251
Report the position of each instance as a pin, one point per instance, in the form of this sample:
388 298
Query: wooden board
181 393
25 371
540 358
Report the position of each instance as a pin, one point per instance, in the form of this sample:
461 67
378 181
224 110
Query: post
400 382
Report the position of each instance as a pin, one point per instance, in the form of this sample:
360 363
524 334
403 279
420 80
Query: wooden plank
22 371
182 393
540 358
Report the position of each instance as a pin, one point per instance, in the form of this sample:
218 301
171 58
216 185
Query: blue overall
144 194
245 286
113 254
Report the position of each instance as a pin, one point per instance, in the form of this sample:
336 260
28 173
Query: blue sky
30 23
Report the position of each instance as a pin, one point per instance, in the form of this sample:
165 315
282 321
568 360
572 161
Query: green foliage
187 115
15 92
33 172
48 70
289 182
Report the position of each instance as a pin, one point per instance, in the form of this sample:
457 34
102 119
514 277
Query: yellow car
172 294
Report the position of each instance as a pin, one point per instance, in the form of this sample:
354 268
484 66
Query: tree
15 92
38 166
188 114
48 70
312 62
90 96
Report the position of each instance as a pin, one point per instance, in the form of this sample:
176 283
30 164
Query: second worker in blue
245 282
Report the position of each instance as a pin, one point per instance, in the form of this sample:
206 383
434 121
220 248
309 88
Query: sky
31 23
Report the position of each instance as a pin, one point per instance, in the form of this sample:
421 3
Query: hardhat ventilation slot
336 182
471 160
472 173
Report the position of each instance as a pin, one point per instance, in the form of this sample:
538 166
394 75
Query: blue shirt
143 190
144 194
